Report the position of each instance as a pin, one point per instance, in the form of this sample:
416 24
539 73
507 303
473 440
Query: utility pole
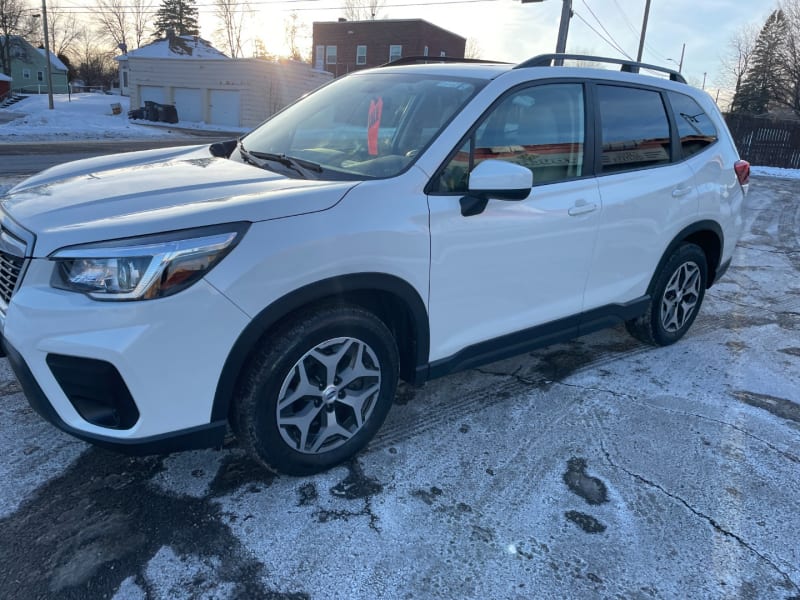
644 31
563 27
47 57
680 64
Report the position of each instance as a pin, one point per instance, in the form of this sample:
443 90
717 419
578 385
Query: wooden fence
766 142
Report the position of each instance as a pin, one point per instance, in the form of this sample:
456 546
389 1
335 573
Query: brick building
344 46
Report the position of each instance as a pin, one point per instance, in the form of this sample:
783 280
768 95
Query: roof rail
421 60
629 66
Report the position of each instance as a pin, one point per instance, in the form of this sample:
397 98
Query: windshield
363 126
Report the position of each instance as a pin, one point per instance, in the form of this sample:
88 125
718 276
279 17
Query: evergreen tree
764 81
178 15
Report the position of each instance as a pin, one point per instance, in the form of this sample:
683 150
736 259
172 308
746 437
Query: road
599 468
26 158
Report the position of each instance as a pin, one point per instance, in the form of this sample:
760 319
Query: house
206 86
343 46
29 69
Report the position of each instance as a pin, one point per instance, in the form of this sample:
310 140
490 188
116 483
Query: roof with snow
54 60
179 46
4 77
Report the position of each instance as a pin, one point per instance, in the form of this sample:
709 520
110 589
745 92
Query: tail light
742 168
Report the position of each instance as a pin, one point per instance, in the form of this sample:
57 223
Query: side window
361 55
330 55
395 52
26 73
635 129
540 127
695 129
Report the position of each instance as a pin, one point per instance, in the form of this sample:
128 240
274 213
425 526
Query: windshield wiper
302 167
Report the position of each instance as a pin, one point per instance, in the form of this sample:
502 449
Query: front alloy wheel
328 395
316 390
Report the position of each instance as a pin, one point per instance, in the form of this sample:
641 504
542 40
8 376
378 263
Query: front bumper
166 356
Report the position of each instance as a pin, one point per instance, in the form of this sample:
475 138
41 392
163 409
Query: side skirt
520 342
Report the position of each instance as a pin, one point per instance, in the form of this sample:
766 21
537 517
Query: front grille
12 260
10 269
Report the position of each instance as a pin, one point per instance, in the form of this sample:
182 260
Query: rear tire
676 298
317 391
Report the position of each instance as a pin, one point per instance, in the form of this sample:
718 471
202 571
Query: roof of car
549 63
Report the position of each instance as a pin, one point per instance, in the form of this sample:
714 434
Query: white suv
407 221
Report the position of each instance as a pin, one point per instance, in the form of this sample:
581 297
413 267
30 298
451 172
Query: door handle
681 191
581 208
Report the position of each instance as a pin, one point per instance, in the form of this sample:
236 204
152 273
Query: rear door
647 196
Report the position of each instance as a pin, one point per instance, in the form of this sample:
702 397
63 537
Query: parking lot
599 468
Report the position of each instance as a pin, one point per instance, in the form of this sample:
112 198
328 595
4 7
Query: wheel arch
705 234
390 298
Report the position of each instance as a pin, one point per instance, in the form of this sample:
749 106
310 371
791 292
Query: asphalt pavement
599 468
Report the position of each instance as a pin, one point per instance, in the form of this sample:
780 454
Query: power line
92 10
611 37
601 36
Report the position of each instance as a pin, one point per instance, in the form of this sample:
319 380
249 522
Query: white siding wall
265 87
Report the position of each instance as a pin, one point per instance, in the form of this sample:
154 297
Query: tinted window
694 127
635 129
541 128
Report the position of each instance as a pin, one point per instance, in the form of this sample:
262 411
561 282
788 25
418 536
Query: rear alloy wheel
676 298
318 391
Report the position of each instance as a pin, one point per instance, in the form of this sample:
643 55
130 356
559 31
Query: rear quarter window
695 128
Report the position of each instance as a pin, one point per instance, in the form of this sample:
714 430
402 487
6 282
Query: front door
518 264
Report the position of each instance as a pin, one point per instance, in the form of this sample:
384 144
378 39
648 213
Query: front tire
317 391
677 294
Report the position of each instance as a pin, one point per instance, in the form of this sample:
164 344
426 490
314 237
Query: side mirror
496 179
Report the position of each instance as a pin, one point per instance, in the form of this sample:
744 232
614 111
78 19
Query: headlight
144 268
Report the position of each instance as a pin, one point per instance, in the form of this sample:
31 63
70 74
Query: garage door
151 92
224 107
189 102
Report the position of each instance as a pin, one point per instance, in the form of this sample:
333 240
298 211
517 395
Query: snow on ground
776 172
82 117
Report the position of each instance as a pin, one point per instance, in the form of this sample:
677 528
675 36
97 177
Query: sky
508 30
511 31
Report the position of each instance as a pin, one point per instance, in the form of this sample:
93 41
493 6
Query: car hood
124 196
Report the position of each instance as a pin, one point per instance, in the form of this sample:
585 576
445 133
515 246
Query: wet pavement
600 468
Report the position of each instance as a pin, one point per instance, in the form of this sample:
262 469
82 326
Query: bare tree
740 52
63 27
15 19
362 10
473 48
231 15
791 57
113 20
293 32
141 12
94 61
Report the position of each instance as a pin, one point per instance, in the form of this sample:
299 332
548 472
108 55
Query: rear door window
695 128
634 129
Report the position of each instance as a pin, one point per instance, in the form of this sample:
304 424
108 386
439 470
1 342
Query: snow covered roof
54 60
179 46
4 77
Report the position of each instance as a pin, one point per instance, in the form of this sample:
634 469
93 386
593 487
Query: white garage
206 86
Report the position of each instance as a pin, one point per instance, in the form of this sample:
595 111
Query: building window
39 76
330 55
124 79
320 58
442 53
26 73
425 51
395 52
361 55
